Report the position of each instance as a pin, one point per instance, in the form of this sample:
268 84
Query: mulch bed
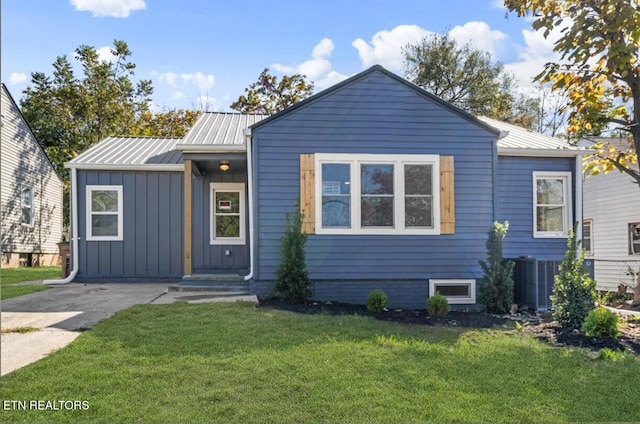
541 327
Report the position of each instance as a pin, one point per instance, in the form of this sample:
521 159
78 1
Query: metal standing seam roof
130 151
213 128
521 138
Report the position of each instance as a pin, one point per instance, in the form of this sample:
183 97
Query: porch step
213 277
213 288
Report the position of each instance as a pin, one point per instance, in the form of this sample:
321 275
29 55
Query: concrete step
220 288
213 277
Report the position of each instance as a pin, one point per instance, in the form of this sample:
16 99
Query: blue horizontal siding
376 115
152 228
515 204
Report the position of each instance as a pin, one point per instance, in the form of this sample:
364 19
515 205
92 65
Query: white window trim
631 251
31 214
226 187
455 300
90 213
568 210
590 251
355 160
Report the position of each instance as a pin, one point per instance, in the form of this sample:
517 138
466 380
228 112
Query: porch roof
219 130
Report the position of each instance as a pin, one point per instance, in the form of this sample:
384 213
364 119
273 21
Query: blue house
398 189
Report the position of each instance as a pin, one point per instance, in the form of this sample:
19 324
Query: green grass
237 363
10 276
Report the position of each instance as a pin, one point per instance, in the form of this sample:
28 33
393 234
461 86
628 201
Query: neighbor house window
551 204
587 236
104 213
634 239
377 194
26 206
456 291
227 224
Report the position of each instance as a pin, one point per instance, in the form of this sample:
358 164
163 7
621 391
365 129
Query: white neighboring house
611 232
30 194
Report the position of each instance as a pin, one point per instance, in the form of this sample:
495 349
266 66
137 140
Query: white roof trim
124 167
212 148
563 153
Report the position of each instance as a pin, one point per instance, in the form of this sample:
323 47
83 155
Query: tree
496 285
598 70
573 289
69 114
172 123
293 283
468 78
268 95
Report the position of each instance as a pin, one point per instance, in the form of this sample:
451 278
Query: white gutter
74 234
247 135
212 148
515 151
125 167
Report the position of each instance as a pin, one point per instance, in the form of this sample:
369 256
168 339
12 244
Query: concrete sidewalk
61 313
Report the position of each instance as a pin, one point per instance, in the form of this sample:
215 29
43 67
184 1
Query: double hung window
377 194
26 206
551 204
104 213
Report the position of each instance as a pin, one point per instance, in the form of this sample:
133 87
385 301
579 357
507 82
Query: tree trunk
636 291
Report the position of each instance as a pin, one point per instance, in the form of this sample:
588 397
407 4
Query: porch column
188 188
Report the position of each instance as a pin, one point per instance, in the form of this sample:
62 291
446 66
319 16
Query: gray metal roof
521 138
130 152
213 128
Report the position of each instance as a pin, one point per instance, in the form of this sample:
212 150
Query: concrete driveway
59 314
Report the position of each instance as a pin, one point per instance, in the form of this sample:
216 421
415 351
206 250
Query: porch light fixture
224 166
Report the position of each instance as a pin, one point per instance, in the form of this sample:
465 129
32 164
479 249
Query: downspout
578 216
74 233
247 135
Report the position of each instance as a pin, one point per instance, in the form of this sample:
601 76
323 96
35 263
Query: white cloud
208 104
178 95
480 35
317 69
204 82
105 55
386 46
537 51
17 78
109 8
498 4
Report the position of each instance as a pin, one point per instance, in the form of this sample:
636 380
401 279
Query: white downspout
247 135
74 233
578 216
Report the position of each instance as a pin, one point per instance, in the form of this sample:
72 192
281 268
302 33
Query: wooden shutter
307 193
447 196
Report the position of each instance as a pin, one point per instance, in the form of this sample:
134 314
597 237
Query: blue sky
208 51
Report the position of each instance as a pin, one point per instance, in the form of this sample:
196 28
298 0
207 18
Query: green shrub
376 301
602 323
496 286
293 283
438 305
573 291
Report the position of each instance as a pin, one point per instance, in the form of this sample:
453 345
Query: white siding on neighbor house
23 163
612 202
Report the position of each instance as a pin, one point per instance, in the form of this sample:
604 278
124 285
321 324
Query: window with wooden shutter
377 194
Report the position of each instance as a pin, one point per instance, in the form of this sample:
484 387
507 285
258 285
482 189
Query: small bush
602 323
376 301
496 286
293 283
438 305
574 292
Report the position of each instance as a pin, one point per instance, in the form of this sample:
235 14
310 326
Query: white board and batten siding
23 163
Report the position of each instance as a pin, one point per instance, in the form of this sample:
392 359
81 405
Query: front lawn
238 363
10 276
